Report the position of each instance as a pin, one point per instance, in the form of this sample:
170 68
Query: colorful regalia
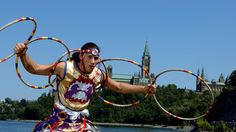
71 97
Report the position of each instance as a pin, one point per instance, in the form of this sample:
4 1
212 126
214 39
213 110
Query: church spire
221 78
198 81
146 51
203 74
145 61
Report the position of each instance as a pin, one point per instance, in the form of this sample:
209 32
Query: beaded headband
91 51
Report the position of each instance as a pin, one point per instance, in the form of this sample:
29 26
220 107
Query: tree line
177 101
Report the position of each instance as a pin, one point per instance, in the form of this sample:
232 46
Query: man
76 81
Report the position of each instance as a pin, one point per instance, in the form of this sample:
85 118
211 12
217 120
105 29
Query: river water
23 126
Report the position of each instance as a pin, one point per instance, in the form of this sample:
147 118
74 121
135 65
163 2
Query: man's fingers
20 48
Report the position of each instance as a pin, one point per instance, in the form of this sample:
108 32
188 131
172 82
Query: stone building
216 86
141 77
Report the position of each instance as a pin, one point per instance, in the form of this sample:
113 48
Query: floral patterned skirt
60 121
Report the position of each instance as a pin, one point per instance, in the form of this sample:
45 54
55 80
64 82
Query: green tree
203 125
8 100
33 111
222 127
23 102
46 103
232 79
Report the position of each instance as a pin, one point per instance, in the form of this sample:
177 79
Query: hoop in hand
135 64
37 39
188 72
27 41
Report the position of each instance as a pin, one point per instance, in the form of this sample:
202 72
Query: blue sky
180 33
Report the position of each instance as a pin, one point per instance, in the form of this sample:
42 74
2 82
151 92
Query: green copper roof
122 76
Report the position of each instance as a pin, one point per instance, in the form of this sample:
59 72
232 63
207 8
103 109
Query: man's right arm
33 67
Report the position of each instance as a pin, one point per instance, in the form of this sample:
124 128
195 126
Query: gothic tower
203 74
145 61
199 84
198 89
221 78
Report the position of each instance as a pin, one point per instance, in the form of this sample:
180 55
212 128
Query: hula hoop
37 39
135 102
27 41
60 58
191 73
71 51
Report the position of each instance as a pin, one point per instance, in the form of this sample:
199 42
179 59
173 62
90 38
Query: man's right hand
20 49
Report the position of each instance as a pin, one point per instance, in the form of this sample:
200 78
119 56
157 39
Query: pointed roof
198 72
221 78
203 74
146 51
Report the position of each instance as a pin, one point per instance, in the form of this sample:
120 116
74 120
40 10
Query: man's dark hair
88 45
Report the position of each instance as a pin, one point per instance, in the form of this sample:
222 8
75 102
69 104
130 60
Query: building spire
146 51
203 74
221 78
198 72
145 61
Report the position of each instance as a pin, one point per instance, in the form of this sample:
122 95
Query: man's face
89 61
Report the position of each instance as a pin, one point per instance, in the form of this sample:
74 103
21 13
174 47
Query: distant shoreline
181 128
184 128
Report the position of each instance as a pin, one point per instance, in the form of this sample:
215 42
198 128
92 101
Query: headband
91 51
